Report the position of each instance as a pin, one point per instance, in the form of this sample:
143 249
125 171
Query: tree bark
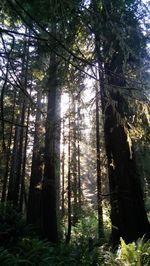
22 189
63 169
16 170
68 236
8 155
49 212
128 215
34 200
17 181
79 154
98 164
74 162
13 170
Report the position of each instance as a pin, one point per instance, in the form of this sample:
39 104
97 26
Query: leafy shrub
87 226
12 225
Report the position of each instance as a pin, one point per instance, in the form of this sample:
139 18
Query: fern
6 259
133 254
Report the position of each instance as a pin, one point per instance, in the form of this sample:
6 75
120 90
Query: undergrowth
24 249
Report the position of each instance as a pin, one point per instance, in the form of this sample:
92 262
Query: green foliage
18 248
147 207
37 252
135 254
147 204
106 219
12 225
6 258
87 226
33 252
84 249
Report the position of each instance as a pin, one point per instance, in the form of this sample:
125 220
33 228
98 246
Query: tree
34 200
49 213
68 236
126 198
99 172
16 180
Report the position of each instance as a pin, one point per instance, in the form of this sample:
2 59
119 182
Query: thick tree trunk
49 212
128 215
34 200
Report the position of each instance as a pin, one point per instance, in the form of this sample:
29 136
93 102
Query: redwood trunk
34 201
49 212
128 215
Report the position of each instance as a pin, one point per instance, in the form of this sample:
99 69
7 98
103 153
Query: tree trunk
8 155
74 162
17 180
34 200
69 182
22 189
63 169
13 170
128 215
78 154
24 149
15 177
98 164
49 212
